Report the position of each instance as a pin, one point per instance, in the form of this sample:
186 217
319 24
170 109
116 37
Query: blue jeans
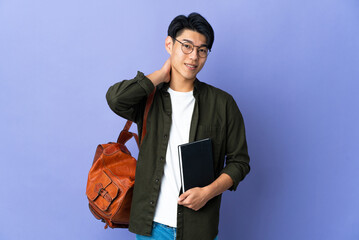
161 232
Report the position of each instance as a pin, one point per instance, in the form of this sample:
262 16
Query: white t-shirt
182 110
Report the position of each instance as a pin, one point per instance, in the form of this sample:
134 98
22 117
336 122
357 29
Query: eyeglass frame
208 50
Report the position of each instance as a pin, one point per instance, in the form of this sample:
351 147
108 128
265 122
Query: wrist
163 75
208 192
155 77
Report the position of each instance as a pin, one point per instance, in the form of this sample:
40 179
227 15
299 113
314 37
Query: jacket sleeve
128 98
237 158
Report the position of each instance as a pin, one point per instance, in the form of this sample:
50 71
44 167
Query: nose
194 54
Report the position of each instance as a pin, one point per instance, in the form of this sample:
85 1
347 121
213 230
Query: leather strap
125 135
147 109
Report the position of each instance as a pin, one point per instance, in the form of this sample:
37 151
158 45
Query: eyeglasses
187 48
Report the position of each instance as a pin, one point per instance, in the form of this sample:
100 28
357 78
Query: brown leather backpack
112 176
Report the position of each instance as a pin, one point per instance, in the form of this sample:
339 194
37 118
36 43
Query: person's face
186 66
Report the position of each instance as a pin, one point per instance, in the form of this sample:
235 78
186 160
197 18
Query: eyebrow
186 40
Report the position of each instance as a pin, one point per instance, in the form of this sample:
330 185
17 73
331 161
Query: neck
180 84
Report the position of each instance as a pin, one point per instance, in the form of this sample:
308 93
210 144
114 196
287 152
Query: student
184 110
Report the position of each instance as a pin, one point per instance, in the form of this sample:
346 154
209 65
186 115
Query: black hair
194 22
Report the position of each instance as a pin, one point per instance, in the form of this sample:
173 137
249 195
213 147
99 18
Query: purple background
292 66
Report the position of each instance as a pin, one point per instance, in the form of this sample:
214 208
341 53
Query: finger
182 199
183 196
183 204
186 205
167 64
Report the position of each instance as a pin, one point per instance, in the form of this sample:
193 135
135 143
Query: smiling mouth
192 67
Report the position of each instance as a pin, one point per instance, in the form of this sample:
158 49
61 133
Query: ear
169 44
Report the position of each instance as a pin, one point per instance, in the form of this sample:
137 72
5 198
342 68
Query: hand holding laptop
194 198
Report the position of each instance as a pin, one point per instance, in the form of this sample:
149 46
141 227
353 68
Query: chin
190 76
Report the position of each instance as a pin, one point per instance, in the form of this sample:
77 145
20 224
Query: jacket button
165 136
161 158
157 180
151 202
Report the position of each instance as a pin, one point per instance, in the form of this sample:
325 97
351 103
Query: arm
237 158
162 75
128 98
237 163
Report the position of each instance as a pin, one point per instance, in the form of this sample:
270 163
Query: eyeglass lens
187 48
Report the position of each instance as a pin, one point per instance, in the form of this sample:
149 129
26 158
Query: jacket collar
196 89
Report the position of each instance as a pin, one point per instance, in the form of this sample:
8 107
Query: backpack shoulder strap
147 109
125 135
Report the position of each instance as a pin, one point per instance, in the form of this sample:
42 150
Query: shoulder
212 91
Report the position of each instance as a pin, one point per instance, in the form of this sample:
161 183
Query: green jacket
215 115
